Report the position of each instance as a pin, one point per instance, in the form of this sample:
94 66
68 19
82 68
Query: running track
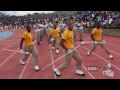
10 68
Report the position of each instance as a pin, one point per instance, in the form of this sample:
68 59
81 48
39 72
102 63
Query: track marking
82 66
7 58
25 67
113 44
52 61
115 52
102 58
88 72
8 46
108 43
60 58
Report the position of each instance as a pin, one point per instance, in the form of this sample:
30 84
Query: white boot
57 72
36 68
57 51
53 47
88 53
79 72
110 56
22 62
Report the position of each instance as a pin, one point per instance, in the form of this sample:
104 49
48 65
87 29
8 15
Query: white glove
95 42
26 52
21 51
70 51
82 42
103 42
52 39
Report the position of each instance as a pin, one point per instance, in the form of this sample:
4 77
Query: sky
20 13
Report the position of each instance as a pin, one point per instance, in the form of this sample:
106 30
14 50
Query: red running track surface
10 67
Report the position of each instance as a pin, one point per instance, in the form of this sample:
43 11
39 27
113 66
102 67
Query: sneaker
82 42
36 68
22 62
88 53
110 56
53 47
57 51
57 72
79 72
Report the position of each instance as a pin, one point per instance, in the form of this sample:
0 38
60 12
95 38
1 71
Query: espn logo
92 68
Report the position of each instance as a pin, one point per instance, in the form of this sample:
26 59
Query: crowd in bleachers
108 19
